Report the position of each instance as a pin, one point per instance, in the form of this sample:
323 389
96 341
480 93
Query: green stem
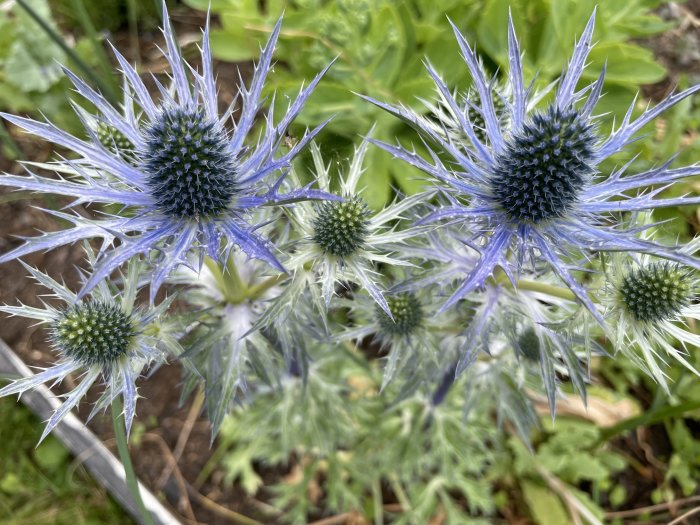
211 464
105 88
549 289
95 40
378 502
500 277
648 418
131 481
234 289
239 290
260 288
132 8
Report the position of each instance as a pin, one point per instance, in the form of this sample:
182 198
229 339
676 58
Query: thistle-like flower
343 241
224 344
535 332
413 340
185 180
104 335
531 187
648 302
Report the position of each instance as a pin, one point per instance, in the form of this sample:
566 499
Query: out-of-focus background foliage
335 450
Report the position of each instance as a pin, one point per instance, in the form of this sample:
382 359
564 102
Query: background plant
378 456
381 47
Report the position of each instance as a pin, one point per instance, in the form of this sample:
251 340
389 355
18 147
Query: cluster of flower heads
510 267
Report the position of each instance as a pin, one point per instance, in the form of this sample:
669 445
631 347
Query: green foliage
31 79
32 60
111 15
684 464
545 507
381 46
42 485
679 416
29 70
347 448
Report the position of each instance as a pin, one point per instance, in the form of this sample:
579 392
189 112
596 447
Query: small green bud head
340 228
114 140
94 333
529 345
657 292
407 312
477 119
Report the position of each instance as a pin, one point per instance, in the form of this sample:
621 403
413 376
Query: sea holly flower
224 345
532 189
648 303
413 339
549 341
187 182
104 336
343 241
538 327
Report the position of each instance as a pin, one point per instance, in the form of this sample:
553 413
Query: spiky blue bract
344 241
103 336
188 182
526 181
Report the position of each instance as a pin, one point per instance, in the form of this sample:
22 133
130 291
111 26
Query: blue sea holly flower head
344 240
187 181
531 190
102 336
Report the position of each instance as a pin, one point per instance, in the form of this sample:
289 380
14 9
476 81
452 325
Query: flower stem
500 277
549 289
255 291
131 481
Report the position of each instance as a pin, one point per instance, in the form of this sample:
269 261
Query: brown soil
678 49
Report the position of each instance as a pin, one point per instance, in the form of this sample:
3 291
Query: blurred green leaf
628 64
29 72
51 454
11 483
545 507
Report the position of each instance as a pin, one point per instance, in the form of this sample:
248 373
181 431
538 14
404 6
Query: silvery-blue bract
533 190
186 182
104 336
